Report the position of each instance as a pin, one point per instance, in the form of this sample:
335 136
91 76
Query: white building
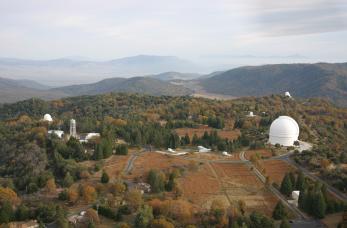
48 118
295 195
73 131
203 149
250 114
287 94
58 133
86 137
284 131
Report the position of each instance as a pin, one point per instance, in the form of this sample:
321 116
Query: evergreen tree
104 177
170 183
286 186
98 153
292 180
186 139
156 180
319 207
68 180
300 182
6 212
279 211
302 200
22 213
195 140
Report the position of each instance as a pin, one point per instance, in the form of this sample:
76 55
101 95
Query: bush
122 149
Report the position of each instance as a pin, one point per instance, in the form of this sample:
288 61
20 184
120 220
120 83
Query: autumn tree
73 195
50 186
134 199
143 217
161 223
93 216
89 193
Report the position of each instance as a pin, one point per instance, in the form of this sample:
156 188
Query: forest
31 160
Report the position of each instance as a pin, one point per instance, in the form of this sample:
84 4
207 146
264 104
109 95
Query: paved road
261 177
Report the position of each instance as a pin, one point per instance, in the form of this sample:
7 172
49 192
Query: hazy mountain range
324 80
72 70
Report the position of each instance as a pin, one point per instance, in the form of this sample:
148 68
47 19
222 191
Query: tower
73 132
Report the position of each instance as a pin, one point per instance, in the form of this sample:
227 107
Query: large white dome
284 131
47 117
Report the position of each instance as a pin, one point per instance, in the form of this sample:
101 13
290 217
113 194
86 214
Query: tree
286 186
279 211
134 199
170 183
22 213
72 195
161 223
302 200
285 224
300 182
143 217
68 180
320 206
61 220
8 195
157 181
104 177
6 212
292 180
122 149
50 186
89 193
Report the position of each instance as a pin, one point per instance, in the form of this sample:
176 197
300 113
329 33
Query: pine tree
279 211
104 177
98 153
292 180
6 212
68 180
286 186
300 182
320 206
302 200
195 140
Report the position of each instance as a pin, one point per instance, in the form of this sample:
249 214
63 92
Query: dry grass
264 153
276 169
229 134
152 160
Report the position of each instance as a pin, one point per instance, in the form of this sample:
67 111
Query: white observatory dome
287 94
47 117
284 130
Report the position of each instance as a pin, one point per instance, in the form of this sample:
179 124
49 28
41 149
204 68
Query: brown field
218 180
200 187
264 153
152 160
241 184
229 134
214 156
276 169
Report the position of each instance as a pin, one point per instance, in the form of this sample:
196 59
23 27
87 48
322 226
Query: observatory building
73 132
284 131
287 94
48 118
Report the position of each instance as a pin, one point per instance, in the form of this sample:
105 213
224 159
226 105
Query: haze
214 33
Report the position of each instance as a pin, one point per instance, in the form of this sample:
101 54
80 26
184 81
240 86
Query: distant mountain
169 76
301 80
13 90
144 85
74 70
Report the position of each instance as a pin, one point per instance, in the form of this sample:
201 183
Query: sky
215 32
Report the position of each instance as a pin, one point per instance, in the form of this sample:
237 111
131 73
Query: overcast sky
211 31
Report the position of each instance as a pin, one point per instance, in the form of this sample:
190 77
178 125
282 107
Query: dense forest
30 159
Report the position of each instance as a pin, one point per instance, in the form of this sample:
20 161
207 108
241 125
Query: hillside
144 85
68 71
302 80
16 90
168 76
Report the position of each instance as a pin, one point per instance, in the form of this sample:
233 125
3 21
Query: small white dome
284 130
287 94
47 117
